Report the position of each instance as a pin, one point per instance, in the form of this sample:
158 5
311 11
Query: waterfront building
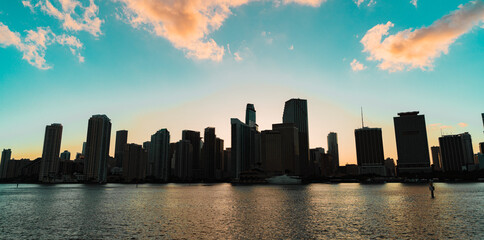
457 154
49 165
184 160
412 143
66 155
250 115
134 162
121 141
296 111
369 151
436 159
208 153
159 156
333 149
6 155
97 148
194 138
271 153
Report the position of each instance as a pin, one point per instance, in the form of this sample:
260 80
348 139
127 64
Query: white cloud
420 47
357 66
72 13
237 57
369 3
414 2
35 43
291 47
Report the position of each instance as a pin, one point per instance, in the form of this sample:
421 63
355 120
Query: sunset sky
191 64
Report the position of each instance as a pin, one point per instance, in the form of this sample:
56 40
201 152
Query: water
222 211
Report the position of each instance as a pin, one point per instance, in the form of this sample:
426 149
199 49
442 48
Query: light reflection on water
222 211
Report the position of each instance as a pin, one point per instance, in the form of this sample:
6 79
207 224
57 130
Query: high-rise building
6 155
184 160
436 159
97 148
456 152
194 138
333 149
66 155
134 162
482 115
121 141
84 148
390 167
321 167
296 111
369 151
240 147
228 164
271 152
412 144
208 153
481 147
250 115
49 165
290 148
219 158
159 156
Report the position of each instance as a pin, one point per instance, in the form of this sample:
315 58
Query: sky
192 64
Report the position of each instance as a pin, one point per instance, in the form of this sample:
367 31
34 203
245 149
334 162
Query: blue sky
149 70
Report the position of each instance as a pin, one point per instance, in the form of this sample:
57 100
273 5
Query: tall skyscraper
481 147
134 162
6 155
84 148
97 148
296 111
208 153
219 158
240 147
121 141
66 155
482 115
369 151
271 152
194 138
290 148
160 157
49 165
412 144
250 115
184 160
436 159
456 152
333 149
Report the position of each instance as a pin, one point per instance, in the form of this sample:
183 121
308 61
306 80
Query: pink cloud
187 24
463 125
357 66
420 47
35 43
72 13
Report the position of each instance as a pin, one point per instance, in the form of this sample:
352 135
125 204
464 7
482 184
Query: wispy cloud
34 44
463 125
357 66
291 47
187 24
237 57
418 48
414 2
369 3
72 13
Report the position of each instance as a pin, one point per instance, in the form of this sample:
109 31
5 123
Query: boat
284 180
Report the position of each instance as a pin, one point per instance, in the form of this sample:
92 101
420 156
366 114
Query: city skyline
145 82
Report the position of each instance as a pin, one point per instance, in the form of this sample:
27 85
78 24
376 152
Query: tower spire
362 123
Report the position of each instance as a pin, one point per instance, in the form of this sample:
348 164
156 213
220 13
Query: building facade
333 149
159 156
369 151
296 111
456 151
121 141
49 165
97 148
6 155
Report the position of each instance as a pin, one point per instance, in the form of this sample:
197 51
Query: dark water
222 211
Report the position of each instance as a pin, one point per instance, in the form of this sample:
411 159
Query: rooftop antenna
362 123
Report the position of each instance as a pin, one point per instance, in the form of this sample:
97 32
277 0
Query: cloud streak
35 43
72 13
419 48
187 24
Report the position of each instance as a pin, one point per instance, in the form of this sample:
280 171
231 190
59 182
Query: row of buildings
284 149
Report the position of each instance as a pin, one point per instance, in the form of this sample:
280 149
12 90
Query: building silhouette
481 147
271 152
369 151
194 138
322 168
66 155
333 149
184 160
456 152
291 162
121 141
296 111
390 167
208 153
250 115
412 144
219 158
436 159
97 148
134 162
228 163
6 155
49 165
159 156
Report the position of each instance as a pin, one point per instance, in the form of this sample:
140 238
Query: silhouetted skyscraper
84 148
369 151
184 160
456 152
219 158
240 147
290 148
208 153
121 141
194 138
436 158
6 155
271 152
333 149
134 162
481 147
412 144
160 157
97 148
296 111
66 155
49 165
250 115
